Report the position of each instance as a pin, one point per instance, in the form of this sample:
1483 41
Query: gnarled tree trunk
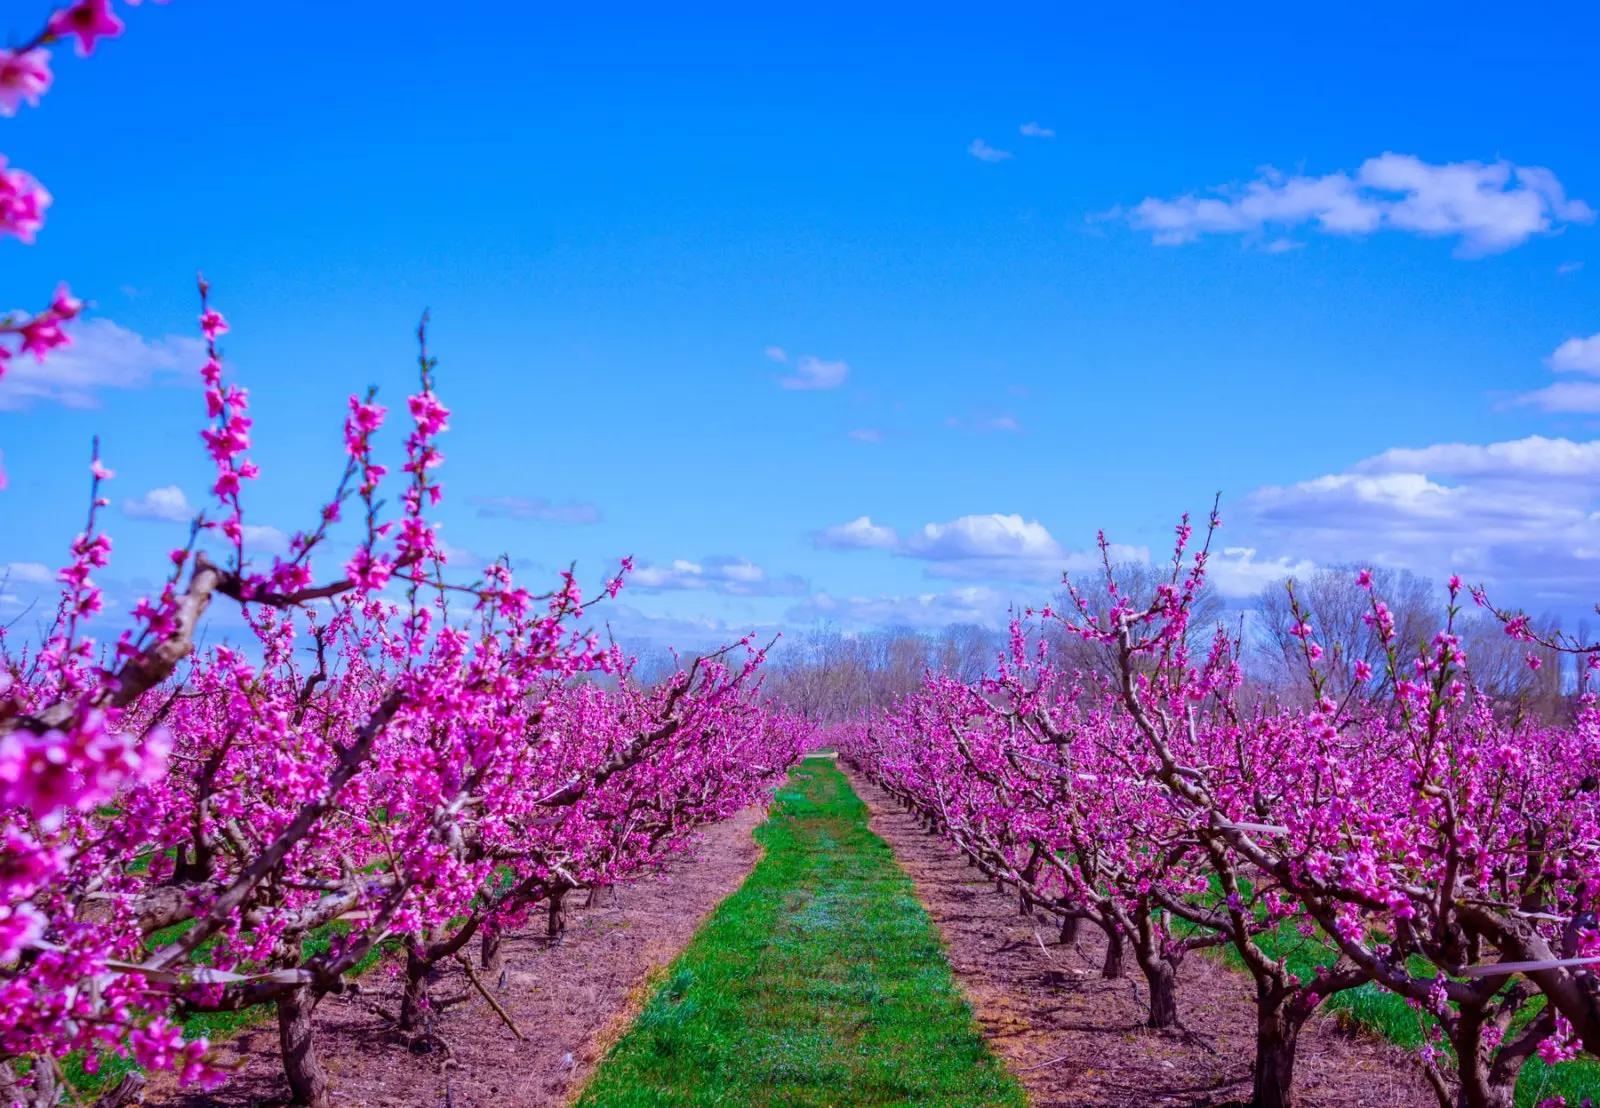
308 1083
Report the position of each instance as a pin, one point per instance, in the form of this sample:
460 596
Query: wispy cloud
535 508
1576 355
30 573
979 604
167 505
814 373
1001 422
264 539
102 355
986 153
1489 207
867 434
1567 268
729 576
858 534
777 354
1033 130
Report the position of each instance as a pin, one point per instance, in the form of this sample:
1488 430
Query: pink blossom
88 21
22 203
24 77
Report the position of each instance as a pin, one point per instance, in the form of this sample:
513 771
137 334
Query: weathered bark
130 1090
1162 977
491 956
1277 1035
556 924
1069 929
308 1083
1112 968
415 995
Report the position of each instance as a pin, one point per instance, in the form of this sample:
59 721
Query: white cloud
984 536
165 504
777 354
263 539
29 573
1033 130
993 547
102 355
729 576
1525 512
1565 396
986 153
1236 573
534 508
1566 268
814 373
978 604
867 434
858 534
1577 356
1489 208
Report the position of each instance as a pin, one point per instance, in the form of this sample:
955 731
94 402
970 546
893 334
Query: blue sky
1205 277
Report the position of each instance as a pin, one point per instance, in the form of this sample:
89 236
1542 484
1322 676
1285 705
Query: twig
472 975
1042 1065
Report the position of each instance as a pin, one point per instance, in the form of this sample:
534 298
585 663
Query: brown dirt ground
1076 1040
572 1001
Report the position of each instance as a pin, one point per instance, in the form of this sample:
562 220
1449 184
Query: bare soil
572 1001
1075 1039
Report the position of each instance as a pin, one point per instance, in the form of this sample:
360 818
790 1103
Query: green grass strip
820 982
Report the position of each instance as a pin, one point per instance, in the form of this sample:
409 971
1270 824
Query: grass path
821 982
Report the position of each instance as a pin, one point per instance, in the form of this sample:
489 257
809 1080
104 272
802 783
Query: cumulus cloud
1577 356
814 373
1033 130
858 534
1489 208
1521 512
986 153
102 355
534 508
729 576
1238 575
991 546
167 505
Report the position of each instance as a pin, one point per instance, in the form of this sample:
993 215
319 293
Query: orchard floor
1074 1039
811 968
571 1000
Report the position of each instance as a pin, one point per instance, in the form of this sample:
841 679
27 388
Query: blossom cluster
1415 822
386 761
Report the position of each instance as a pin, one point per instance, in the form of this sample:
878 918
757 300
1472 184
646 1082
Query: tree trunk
1069 930
1112 969
307 1082
557 921
130 1090
491 955
1163 979
415 996
1276 1038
